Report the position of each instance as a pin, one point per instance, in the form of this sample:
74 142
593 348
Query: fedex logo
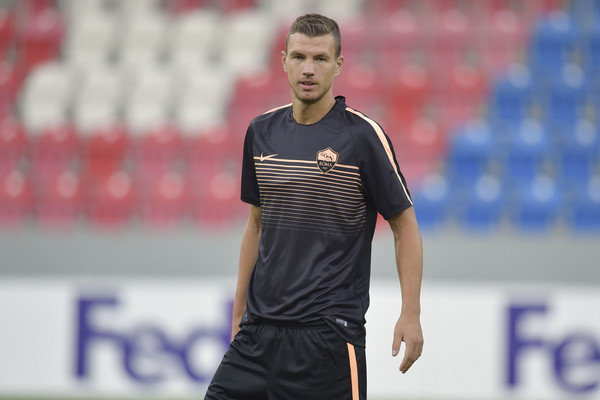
145 344
574 356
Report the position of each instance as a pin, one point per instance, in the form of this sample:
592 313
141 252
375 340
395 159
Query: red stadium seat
13 143
15 198
218 205
403 31
420 147
185 6
59 202
105 149
157 151
412 88
164 201
40 37
7 32
364 90
462 89
55 149
10 82
110 200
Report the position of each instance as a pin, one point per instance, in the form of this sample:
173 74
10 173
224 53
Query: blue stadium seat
471 149
483 208
580 152
585 215
554 38
566 96
537 206
512 94
432 202
528 149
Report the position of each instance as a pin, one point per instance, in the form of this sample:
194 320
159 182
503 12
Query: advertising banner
157 337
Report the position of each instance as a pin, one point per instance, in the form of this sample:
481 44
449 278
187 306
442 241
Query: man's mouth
307 85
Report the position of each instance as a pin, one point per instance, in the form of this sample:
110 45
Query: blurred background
121 128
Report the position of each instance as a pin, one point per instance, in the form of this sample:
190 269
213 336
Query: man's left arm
409 262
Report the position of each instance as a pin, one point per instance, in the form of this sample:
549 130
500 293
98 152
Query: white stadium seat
148 103
194 38
46 96
98 98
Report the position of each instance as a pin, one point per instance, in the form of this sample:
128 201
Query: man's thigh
317 364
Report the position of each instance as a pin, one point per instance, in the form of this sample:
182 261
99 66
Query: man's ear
339 63
283 57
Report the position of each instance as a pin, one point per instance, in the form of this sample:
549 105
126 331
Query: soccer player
315 173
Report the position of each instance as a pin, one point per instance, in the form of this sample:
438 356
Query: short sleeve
384 183
250 191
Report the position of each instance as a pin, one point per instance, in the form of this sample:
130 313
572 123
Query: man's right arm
248 256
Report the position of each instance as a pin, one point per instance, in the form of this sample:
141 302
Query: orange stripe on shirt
353 372
277 108
385 145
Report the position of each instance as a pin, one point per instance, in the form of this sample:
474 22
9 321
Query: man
315 173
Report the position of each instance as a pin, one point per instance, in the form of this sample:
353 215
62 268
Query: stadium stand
116 112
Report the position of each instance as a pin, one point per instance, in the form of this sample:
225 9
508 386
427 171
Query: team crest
326 159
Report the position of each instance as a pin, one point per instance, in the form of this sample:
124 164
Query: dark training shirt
320 188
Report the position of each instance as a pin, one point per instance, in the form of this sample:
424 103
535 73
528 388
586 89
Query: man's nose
308 68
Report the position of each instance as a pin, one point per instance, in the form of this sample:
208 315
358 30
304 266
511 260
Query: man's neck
308 114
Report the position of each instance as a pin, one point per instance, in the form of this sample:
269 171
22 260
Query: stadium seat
98 98
148 101
104 149
566 96
554 38
217 205
163 201
7 32
471 149
245 48
412 86
403 32
46 96
180 7
580 152
156 151
110 200
483 207
431 200
512 94
537 206
56 148
14 144
10 82
194 39
363 90
201 101
528 148
585 214
505 40
91 39
15 199
59 202
39 37
144 37
419 145
454 30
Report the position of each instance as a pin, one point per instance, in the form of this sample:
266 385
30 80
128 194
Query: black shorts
269 362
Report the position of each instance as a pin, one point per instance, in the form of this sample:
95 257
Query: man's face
311 65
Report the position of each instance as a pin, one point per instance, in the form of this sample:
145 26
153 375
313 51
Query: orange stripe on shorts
353 371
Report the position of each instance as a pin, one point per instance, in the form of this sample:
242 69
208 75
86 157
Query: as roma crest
326 159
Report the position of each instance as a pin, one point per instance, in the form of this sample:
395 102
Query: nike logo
263 158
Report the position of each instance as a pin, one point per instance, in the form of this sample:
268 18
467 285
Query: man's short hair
314 25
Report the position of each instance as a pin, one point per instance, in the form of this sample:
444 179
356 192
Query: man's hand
408 330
